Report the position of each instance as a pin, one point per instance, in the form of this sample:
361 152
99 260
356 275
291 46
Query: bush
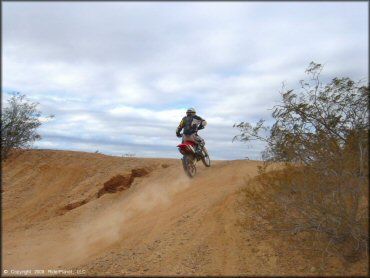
19 122
321 134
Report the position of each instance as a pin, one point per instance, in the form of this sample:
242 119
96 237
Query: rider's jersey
191 124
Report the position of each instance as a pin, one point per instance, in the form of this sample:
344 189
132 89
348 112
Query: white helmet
190 111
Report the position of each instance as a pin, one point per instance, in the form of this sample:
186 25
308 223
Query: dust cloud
90 235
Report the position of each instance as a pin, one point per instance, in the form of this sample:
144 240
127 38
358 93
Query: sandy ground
91 214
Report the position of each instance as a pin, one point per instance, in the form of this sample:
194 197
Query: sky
119 76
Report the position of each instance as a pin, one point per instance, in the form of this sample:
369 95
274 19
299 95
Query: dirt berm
92 214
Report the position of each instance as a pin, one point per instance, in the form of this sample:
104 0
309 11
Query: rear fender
187 147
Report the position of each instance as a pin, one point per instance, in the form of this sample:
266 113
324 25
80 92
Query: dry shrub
321 135
301 199
19 122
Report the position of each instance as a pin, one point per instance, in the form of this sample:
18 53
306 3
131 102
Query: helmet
190 111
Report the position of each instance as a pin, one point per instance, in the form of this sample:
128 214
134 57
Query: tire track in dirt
163 224
186 240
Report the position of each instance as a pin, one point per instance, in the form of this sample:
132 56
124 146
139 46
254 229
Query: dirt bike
191 157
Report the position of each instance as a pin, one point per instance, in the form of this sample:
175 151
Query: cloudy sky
118 76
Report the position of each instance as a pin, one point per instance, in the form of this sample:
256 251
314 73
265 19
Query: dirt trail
101 215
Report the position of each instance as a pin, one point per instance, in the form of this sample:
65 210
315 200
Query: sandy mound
82 213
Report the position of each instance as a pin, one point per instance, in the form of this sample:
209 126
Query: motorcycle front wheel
205 158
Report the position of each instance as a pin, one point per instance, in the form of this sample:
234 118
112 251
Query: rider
191 124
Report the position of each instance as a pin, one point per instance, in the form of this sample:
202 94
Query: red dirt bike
191 157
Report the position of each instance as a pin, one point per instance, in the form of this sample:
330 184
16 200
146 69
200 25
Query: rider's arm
203 123
180 127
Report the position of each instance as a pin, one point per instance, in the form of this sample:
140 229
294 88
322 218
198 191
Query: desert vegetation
19 122
320 186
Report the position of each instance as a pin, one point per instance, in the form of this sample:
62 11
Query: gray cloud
119 75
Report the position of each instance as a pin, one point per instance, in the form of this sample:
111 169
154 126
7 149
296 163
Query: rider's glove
201 127
178 134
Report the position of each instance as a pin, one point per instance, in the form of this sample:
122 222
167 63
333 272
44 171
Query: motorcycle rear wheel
189 166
